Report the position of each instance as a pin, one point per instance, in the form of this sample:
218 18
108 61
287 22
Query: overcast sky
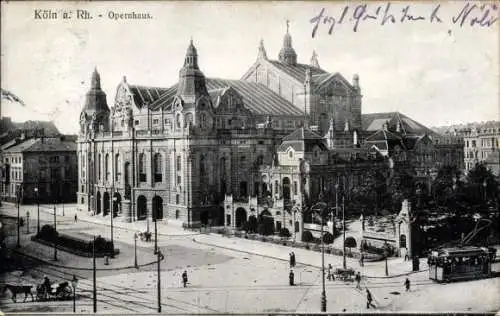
437 73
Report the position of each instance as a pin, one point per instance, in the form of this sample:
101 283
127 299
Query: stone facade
43 169
216 151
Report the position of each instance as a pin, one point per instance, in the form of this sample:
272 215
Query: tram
460 263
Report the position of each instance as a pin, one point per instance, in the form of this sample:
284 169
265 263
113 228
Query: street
226 275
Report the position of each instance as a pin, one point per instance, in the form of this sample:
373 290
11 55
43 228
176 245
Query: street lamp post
386 252
94 277
344 264
484 190
38 210
323 292
156 231
74 283
27 222
18 218
135 251
55 237
160 257
115 199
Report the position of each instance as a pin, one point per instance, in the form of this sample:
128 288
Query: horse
17 289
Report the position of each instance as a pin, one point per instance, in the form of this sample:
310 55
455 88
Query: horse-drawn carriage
58 291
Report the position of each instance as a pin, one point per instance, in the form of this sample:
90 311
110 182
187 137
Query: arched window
157 167
260 160
99 166
178 163
118 170
142 167
107 169
202 166
178 119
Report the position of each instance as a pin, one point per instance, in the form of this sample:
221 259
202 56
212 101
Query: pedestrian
76 218
46 286
369 299
291 263
330 274
184 278
362 260
293 259
407 284
291 278
358 280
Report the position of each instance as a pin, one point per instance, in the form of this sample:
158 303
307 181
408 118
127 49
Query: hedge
48 235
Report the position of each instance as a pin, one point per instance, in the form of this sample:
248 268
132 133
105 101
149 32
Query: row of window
15 159
485 142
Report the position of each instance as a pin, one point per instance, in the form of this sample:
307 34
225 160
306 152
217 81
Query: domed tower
191 79
95 114
287 53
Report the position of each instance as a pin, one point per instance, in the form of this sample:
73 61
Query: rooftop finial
191 40
287 25
314 60
262 50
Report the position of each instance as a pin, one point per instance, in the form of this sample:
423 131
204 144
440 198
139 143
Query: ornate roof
375 121
256 97
146 95
302 139
297 71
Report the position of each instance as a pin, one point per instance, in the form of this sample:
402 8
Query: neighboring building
46 164
480 140
214 150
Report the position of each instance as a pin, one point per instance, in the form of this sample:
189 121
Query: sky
437 73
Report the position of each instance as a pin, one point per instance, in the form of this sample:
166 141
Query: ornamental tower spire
287 53
191 79
262 50
314 60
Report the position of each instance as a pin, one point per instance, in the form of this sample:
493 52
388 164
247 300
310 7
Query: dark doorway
98 203
241 217
105 200
117 202
142 210
286 189
204 217
157 207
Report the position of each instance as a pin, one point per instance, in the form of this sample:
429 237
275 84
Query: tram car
460 263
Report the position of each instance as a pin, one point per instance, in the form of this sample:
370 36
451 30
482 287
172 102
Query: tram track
117 292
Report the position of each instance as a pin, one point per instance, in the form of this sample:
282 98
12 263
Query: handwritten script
471 15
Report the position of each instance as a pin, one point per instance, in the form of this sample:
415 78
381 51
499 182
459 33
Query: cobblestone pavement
238 275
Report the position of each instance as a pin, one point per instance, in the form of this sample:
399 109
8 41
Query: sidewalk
164 228
396 266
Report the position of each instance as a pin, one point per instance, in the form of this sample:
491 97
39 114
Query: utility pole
343 231
94 277
18 218
323 292
55 237
156 231
160 257
38 209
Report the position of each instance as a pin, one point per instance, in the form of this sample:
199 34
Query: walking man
291 278
369 299
291 263
76 218
362 260
330 274
358 281
184 278
407 284
292 259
